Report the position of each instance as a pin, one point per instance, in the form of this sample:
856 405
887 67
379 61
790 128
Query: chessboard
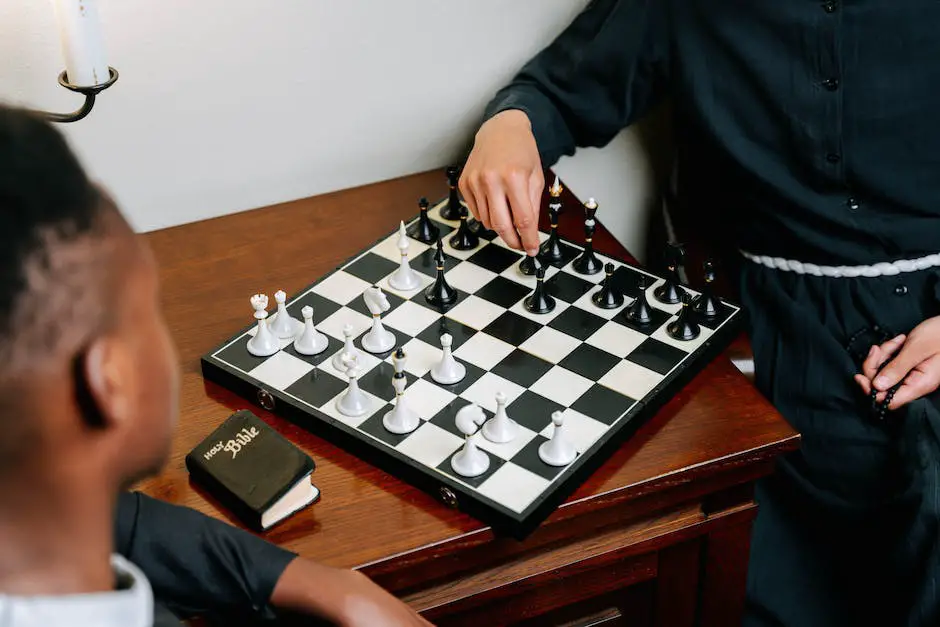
493 381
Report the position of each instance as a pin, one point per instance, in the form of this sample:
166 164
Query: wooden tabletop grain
367 518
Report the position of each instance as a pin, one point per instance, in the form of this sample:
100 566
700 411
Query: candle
82 44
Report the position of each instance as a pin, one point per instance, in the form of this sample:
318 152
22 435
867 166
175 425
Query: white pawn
378 339
283 325
448 370
353 402
470 461
264 343
405 278
401 419
501 428
558 451
311 342
349 350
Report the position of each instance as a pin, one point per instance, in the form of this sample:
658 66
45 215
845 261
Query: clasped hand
913 359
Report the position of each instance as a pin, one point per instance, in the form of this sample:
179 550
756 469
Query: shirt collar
129 605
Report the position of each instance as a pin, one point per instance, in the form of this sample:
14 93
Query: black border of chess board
438 484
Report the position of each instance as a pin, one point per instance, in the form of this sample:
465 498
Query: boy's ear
101 388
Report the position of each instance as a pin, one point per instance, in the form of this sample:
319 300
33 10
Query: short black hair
47 204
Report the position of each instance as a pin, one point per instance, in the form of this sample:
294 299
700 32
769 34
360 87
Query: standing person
88 402
809 131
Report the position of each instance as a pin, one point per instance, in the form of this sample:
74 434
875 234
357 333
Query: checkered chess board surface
593 364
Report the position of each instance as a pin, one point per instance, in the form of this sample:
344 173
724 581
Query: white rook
82 44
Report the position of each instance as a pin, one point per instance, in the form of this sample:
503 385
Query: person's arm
198 565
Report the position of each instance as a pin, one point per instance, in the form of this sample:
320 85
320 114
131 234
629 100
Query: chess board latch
449 498
266 399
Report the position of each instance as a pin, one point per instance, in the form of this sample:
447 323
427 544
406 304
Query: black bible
253 470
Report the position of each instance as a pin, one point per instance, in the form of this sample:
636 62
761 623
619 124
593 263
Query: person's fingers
879 354
524 217
910 355
476 191
500 215
463 186
922 380
863 383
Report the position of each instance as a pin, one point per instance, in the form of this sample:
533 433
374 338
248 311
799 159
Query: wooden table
658 536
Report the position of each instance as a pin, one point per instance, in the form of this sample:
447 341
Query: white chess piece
283 325
401 419
404 278
311 341
349 350
558 451
470 461
448 370
501 428
264 343
353 402
378 339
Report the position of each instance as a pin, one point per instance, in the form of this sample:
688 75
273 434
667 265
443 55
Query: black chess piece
671 291
706 305
588 263
539 301
424 230
451 210
684 327
464 239
440 294
550 250
639 311
530 265
608 297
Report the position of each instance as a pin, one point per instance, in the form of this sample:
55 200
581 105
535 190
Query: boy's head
88 374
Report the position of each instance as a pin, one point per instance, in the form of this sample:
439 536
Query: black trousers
847 530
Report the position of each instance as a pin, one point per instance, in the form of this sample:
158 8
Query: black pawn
684 327
440 294
424 230
639 311
529 265
539 301
608 297
706 305
451 210
464 239
587 263
671 292
550 250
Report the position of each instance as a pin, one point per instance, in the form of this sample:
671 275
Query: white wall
226 105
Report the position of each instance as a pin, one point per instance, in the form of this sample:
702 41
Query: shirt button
831 84
900 290
829 7
833 157
852 203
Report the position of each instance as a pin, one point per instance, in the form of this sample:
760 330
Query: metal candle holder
90 92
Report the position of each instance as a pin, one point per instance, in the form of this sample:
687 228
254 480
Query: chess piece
501 428
670 292
451 210
464 239
529 265
706 305
684 327
440 294
349 350
470 461
550 250
353 402
311 341
588 263
424 230
608 297
401 419
264 343
404 278
448 370
639 311
539 301
378 339
558 451
283 326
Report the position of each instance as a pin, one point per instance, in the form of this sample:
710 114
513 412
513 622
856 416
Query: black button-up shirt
812 127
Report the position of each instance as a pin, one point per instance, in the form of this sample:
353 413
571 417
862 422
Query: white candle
82 44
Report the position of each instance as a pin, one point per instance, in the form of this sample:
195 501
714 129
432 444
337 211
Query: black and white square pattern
593 365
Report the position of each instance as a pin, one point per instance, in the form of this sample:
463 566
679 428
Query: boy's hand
502 180
916 362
